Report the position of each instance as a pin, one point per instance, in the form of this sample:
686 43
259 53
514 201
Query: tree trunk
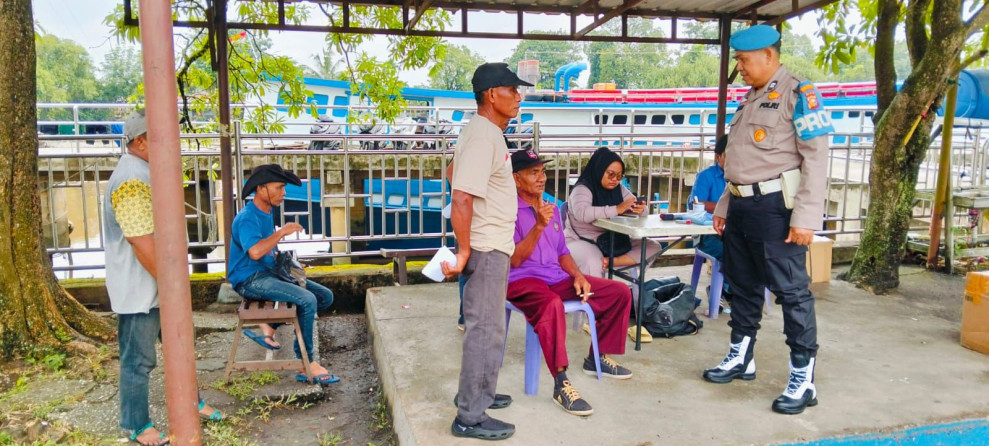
898 148
891 193
35 312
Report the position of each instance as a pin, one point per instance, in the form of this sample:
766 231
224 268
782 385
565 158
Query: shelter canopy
598 11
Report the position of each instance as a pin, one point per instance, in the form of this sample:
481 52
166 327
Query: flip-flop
162 439
325 378
215 416
260 340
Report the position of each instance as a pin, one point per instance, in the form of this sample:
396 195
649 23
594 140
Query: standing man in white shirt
483 219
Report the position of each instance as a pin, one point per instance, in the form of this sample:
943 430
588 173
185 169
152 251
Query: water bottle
655 203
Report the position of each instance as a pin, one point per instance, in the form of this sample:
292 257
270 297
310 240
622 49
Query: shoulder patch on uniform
773 95
809 118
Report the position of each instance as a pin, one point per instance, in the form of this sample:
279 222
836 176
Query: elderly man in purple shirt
543 275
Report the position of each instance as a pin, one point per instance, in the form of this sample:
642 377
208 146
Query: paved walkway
886 363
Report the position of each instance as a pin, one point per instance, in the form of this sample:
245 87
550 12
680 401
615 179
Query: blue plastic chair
534 352
717 282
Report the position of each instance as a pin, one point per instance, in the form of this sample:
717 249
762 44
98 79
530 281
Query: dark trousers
542 305
486 276
755 257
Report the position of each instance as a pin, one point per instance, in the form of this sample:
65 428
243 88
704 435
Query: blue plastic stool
534 352
717 282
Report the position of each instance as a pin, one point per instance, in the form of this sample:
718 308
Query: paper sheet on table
434 269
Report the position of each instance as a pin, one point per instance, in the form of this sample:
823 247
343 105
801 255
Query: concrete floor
886 363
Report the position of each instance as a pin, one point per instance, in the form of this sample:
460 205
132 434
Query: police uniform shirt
776 128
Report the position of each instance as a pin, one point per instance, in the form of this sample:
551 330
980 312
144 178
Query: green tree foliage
121 73
64 74
375 80
628 65
551 54
255 70
456 70
942 36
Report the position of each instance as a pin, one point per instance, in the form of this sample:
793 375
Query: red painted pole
171 249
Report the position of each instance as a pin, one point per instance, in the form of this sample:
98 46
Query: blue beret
754 38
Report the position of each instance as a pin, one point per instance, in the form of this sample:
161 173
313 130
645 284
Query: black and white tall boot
800 391
737 364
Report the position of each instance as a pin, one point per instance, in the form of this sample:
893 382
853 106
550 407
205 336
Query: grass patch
329 439
244 387
380 418
224 434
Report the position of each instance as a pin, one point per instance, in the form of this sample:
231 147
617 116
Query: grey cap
135 125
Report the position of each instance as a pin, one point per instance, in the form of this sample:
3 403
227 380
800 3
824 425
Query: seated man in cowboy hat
252 246
543 275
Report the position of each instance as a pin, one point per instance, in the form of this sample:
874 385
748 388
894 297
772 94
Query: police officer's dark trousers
756 256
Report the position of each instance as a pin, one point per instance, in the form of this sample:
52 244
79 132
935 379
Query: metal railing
346 219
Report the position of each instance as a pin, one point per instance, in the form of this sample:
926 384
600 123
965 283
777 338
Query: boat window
525 117
640 119
853 114
457 116
677 119
658 119
619 120
395 200
869 114
695 120
601 119
341 102
712 119
837 115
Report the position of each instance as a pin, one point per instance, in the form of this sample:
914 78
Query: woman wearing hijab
599 194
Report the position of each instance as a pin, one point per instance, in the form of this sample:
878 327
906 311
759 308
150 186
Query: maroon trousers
542 305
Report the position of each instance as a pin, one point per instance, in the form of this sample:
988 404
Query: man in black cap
252 246
483 219
544 275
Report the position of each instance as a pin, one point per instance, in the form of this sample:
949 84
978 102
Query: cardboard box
819 259
975 313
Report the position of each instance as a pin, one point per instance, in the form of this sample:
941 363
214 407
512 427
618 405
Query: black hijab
593 174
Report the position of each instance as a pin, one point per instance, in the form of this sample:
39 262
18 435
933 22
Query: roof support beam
421 8
446 33
741 13
798 11
723 76
625 6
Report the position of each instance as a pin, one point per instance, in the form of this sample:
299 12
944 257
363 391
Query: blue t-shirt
710 184
250 227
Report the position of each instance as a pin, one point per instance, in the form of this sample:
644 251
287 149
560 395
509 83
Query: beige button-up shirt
764 141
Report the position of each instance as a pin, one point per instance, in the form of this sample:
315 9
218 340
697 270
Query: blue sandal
261 340
162 439
325 378
215 416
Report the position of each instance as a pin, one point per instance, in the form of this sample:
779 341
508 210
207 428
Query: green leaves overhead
254 69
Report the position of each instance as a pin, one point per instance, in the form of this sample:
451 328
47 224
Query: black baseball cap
495 74
524 159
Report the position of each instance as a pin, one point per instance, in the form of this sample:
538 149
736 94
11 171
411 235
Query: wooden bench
399 257
254 312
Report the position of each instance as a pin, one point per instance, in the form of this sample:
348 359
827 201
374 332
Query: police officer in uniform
776 167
